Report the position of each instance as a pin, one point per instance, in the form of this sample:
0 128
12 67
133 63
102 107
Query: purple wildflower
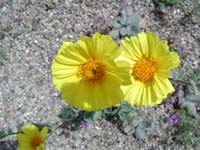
102 20
85 30
166 104
84 125
181 47
177 87
174 100
94 31
174 120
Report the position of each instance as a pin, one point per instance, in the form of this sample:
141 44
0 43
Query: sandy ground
31 32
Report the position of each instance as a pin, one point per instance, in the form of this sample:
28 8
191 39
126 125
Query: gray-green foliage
121 115
192 92
163 4
3 53
126 24
187 131
190 108
196 9
50 4
68 113
93 116
73 117
139 127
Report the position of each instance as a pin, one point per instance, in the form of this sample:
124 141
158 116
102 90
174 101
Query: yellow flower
151 63
86 74
31 138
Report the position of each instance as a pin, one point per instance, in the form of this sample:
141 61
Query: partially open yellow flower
31 138
151 63
86 74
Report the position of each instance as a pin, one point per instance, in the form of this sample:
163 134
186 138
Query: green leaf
123 21
133 30
133 20
194 98
123 17
190 108
68 113
181 97
196 10
123 31
140 133
172 2
131 127
196 92
124 111
3 53
93 116
10 131
147 124
114 34
2 134
98 115
180 74
88 116
162 7
114 23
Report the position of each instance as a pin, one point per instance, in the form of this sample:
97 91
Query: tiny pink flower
181 47
84 125
85 30
174 100
102 20
174 120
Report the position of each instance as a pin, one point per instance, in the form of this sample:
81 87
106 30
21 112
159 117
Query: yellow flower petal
130 93
31 138
143 42
124 76
126 49
152 41
88 75
23 139
168 61
161 48
24 147
30 130
105 46
44 132
64 46
150 62
92 97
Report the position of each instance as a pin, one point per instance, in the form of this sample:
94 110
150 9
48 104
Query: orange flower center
144 70
35 142
92 70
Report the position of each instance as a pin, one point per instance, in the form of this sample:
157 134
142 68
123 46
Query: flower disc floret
144 70
92 71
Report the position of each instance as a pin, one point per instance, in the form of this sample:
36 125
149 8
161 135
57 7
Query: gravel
32 30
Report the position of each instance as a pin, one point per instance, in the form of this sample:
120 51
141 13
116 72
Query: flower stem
58 126
5 135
